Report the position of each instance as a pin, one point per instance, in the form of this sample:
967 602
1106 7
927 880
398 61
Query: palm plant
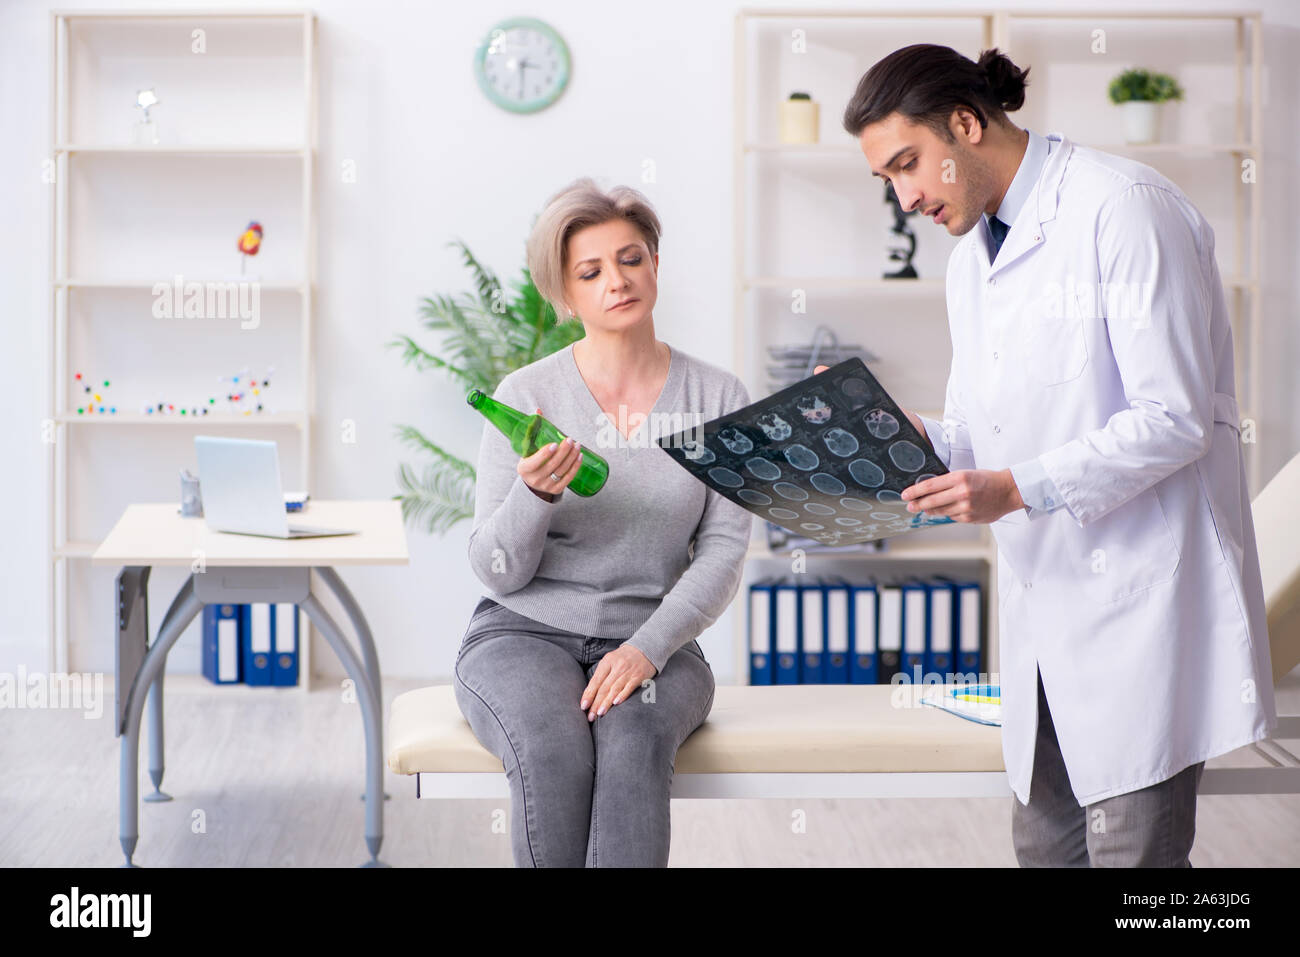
487 334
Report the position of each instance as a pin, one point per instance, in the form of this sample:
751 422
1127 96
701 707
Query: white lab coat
1139 599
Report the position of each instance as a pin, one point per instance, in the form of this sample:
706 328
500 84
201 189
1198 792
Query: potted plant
1139 94
489 333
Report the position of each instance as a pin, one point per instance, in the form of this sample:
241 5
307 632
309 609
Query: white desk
238 569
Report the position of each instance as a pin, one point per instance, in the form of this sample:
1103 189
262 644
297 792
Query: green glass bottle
528 433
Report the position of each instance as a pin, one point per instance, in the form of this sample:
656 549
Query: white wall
434 161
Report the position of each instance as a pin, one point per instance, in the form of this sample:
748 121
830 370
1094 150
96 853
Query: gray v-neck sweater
617 564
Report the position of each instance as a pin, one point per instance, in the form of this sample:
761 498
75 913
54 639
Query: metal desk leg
370 719
369 657
150 671
155 705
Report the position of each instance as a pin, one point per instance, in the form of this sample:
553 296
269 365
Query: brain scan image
866 474
827 484
789 491
813 409
854 387
802 457
726 477
774 427
763 469
697 453
906 456
840 443
737 442
881 424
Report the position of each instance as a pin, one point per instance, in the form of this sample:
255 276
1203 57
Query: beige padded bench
762 742
803 741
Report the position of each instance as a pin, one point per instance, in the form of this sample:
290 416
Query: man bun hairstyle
925 82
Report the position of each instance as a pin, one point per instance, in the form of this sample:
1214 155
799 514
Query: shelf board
1185 148
264 285
917 287
788 13
270 13
963 550
920 287
75 550
192 149
222 419
851 149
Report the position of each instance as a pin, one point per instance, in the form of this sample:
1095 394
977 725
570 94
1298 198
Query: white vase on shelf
799 120
145 133
1141 121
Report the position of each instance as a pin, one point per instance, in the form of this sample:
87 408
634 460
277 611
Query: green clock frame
526 106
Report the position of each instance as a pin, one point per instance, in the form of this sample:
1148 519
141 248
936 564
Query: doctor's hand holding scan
977 496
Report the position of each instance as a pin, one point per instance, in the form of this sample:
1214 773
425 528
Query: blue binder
916 629
970 657
762 613
256 644
284 635
812 633
939 652
785 631
839 640
863 623
223 626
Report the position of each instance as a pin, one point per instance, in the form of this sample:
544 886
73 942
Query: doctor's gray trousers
1150 827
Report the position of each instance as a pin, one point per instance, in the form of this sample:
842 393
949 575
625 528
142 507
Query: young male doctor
1090 417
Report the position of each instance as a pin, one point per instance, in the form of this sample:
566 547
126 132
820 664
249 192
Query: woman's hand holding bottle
550 469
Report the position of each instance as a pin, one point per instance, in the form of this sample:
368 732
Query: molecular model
243 397
95 404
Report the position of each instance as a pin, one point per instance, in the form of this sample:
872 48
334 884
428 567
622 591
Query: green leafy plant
486 335
1143 85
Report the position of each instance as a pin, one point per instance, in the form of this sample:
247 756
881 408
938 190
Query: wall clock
522 65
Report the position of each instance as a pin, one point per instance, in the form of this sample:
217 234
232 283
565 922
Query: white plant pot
1141 121
799 121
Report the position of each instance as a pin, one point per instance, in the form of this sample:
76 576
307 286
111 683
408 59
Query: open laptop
239 481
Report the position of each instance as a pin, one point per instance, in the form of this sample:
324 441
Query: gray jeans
593 793
1150 827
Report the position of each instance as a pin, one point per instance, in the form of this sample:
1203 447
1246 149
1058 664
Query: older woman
580 668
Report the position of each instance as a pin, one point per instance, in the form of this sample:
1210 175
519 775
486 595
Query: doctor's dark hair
925 82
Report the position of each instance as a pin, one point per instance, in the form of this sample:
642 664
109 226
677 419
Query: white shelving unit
238 135
806 205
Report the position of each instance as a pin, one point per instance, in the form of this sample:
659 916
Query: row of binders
253 644
830 631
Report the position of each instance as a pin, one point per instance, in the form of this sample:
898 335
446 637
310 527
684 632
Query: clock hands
523 65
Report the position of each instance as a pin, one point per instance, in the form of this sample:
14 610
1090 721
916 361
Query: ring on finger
554 477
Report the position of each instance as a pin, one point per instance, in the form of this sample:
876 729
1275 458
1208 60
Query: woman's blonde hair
581 204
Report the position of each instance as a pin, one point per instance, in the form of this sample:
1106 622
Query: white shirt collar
1022 185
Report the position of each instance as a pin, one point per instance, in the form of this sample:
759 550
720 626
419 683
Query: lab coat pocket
1126 551
1055 349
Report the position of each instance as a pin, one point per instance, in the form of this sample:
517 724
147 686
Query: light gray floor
263 777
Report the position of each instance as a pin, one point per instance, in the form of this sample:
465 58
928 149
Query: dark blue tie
999 230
